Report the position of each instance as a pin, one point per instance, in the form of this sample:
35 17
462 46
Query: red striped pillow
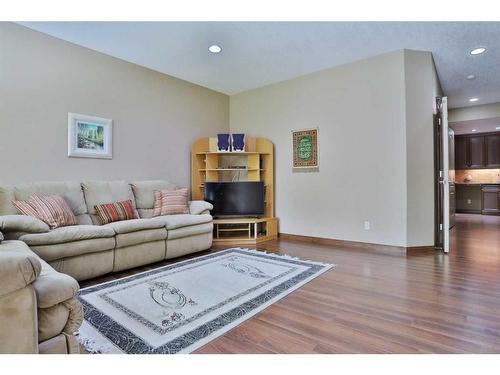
118 211
26 208
54 210
171 202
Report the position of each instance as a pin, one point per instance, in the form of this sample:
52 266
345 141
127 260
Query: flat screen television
232 199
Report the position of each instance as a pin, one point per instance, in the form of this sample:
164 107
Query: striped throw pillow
157 203
25 208
171 202
54 210
118 211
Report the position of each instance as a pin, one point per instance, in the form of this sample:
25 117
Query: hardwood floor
379 303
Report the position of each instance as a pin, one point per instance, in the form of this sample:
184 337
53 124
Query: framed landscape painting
305 150
89 136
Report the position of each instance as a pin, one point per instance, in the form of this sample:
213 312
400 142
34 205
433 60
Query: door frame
441 176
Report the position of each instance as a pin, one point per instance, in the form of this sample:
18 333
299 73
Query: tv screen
242 198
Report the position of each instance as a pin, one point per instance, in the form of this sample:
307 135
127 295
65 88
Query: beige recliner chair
38 309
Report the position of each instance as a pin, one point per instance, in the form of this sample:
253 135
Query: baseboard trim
384 249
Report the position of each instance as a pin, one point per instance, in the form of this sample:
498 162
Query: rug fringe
286 256
93 345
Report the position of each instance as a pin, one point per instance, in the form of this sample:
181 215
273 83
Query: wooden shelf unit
256 163
245 230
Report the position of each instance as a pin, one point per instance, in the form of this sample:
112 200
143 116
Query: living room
242 187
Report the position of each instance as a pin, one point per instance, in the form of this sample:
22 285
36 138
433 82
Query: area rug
180 307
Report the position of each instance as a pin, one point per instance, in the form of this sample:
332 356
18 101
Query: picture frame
89 136
305 152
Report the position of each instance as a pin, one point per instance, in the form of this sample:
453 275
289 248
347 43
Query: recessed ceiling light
473 99
478 51
497 128
474 130
471 76
215 48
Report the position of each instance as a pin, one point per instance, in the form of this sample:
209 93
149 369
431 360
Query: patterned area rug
182 306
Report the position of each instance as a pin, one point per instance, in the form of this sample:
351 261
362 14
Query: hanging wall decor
305 150
89 136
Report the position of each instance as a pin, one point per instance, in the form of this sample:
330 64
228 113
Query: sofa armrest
18 305
53 288
17 269
199 207
22 223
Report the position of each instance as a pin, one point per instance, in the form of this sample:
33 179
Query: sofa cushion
144 194
192 230
117 211
141 237
183 220
134 225
22 223
102 192
6 198
199 207
70 191
68 234
70 250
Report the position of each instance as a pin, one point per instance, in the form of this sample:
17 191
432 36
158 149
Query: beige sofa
88 250
38 309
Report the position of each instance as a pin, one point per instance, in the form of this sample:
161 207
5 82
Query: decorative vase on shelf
223 143
238 142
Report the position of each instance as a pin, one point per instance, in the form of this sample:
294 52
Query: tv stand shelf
244 231
255 163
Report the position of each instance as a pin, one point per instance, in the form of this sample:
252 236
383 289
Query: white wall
376 148
374 116
360 111
156 117
421 88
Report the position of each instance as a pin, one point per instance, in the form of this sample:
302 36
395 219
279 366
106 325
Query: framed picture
305 150
89 136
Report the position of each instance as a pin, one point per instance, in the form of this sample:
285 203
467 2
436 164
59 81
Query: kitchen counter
476 183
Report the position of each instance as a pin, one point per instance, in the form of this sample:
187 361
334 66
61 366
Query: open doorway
473 186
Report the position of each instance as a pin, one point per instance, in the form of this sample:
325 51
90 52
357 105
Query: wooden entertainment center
256 163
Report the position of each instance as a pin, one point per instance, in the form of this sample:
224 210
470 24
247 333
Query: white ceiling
481 126
259 53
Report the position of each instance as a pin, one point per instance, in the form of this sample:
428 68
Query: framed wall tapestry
89 136
305 150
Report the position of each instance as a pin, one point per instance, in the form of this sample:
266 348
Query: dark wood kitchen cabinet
477 151
468 198
492 150
491 195
461 153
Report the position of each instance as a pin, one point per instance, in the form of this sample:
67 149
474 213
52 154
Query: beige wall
374 116
360 111
156 117
477 112
421 88
376 156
